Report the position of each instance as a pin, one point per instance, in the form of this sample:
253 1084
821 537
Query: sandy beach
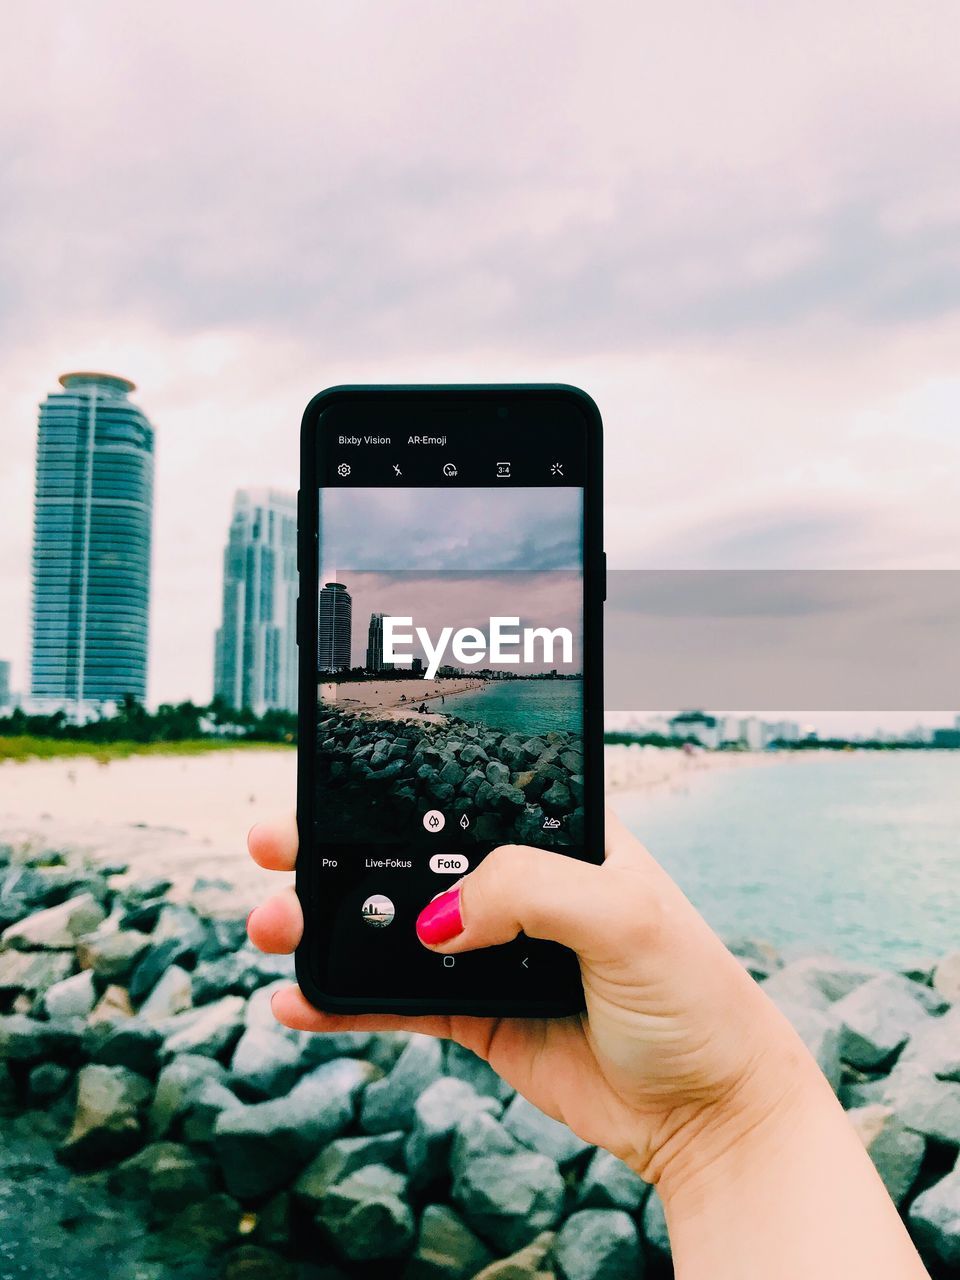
395 699
188 816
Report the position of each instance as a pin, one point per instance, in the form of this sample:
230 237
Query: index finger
274 844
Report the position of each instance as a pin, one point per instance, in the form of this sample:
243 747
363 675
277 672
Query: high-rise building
4 685
334 627
255 660
375 660
91 545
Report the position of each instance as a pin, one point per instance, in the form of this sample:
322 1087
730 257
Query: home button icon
449 961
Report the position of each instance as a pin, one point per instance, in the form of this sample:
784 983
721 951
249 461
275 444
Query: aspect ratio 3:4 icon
450 633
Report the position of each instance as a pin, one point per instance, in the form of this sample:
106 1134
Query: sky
735 225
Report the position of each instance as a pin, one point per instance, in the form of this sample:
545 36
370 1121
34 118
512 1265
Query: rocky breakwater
509 785
152 1107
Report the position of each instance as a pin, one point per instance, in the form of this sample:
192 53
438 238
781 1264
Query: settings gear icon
343 469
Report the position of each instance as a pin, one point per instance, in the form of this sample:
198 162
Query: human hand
678 1053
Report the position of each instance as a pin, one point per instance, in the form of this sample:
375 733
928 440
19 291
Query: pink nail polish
440 920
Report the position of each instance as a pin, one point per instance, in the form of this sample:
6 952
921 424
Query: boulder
112 953
817 981
262 1145
154 964
177 1087
253 1262
56 928
608 1183
46 1082
935 1047
167 1174
108 1119
341 1158
366 1216
200 1230
529 1263
653 1225
181 925
541 1133
598 1244
479 1134
896 1151
265 1062
171 995
112 1005
446 1248
509 1199
389 1103
924 1103
437 1111
556 800
877 1019
211 1030
24 1039
934 1220
34 971
72 997
199 1120
466 1065
761 959
130 1042
946 978
819 1031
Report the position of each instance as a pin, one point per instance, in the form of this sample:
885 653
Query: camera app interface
449 676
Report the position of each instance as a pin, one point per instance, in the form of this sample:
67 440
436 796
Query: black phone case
594 588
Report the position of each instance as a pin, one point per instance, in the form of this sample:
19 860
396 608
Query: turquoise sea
524 706
854 854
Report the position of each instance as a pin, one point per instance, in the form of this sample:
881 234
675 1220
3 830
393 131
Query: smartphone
450 633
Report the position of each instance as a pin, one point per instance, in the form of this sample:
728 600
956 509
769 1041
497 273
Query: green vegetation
173 729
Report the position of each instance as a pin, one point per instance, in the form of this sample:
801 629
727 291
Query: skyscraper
334 626
91 545
375 660
255 662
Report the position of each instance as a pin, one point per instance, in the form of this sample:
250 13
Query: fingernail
249 914
440 919
273 996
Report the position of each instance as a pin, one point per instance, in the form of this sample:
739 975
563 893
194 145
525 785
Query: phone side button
604 575
298 620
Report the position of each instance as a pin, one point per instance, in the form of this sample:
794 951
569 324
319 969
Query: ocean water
856 854
522 706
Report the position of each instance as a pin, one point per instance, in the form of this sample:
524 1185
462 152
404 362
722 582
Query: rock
478 1134
497 773
817 981
199 1121
598 1244
253 1262
819 1031
556 799
509 1199
167 1174
265 1062
653 1224
446 1247
608 1183
946 978
155 963
260 1146
34 971
180 925
437 1111
465 1065
934 1219
877 1019
145 889
199 1230
924 1103
108 1118
541 1133
341 1158
24 1039
761 959
528 1263
72 997
111 953
172 994
8 1092
366 1215
113 1004
389 1103
177 1087
47 1081
56 928
936 1047
896 1151
213 1029
129 1043
238 973
273 1221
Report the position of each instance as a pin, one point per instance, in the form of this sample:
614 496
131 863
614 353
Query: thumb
544 895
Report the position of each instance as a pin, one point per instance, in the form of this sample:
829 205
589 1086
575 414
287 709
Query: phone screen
450 685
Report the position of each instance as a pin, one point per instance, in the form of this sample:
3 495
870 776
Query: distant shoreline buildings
334 627
255 647
93 516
